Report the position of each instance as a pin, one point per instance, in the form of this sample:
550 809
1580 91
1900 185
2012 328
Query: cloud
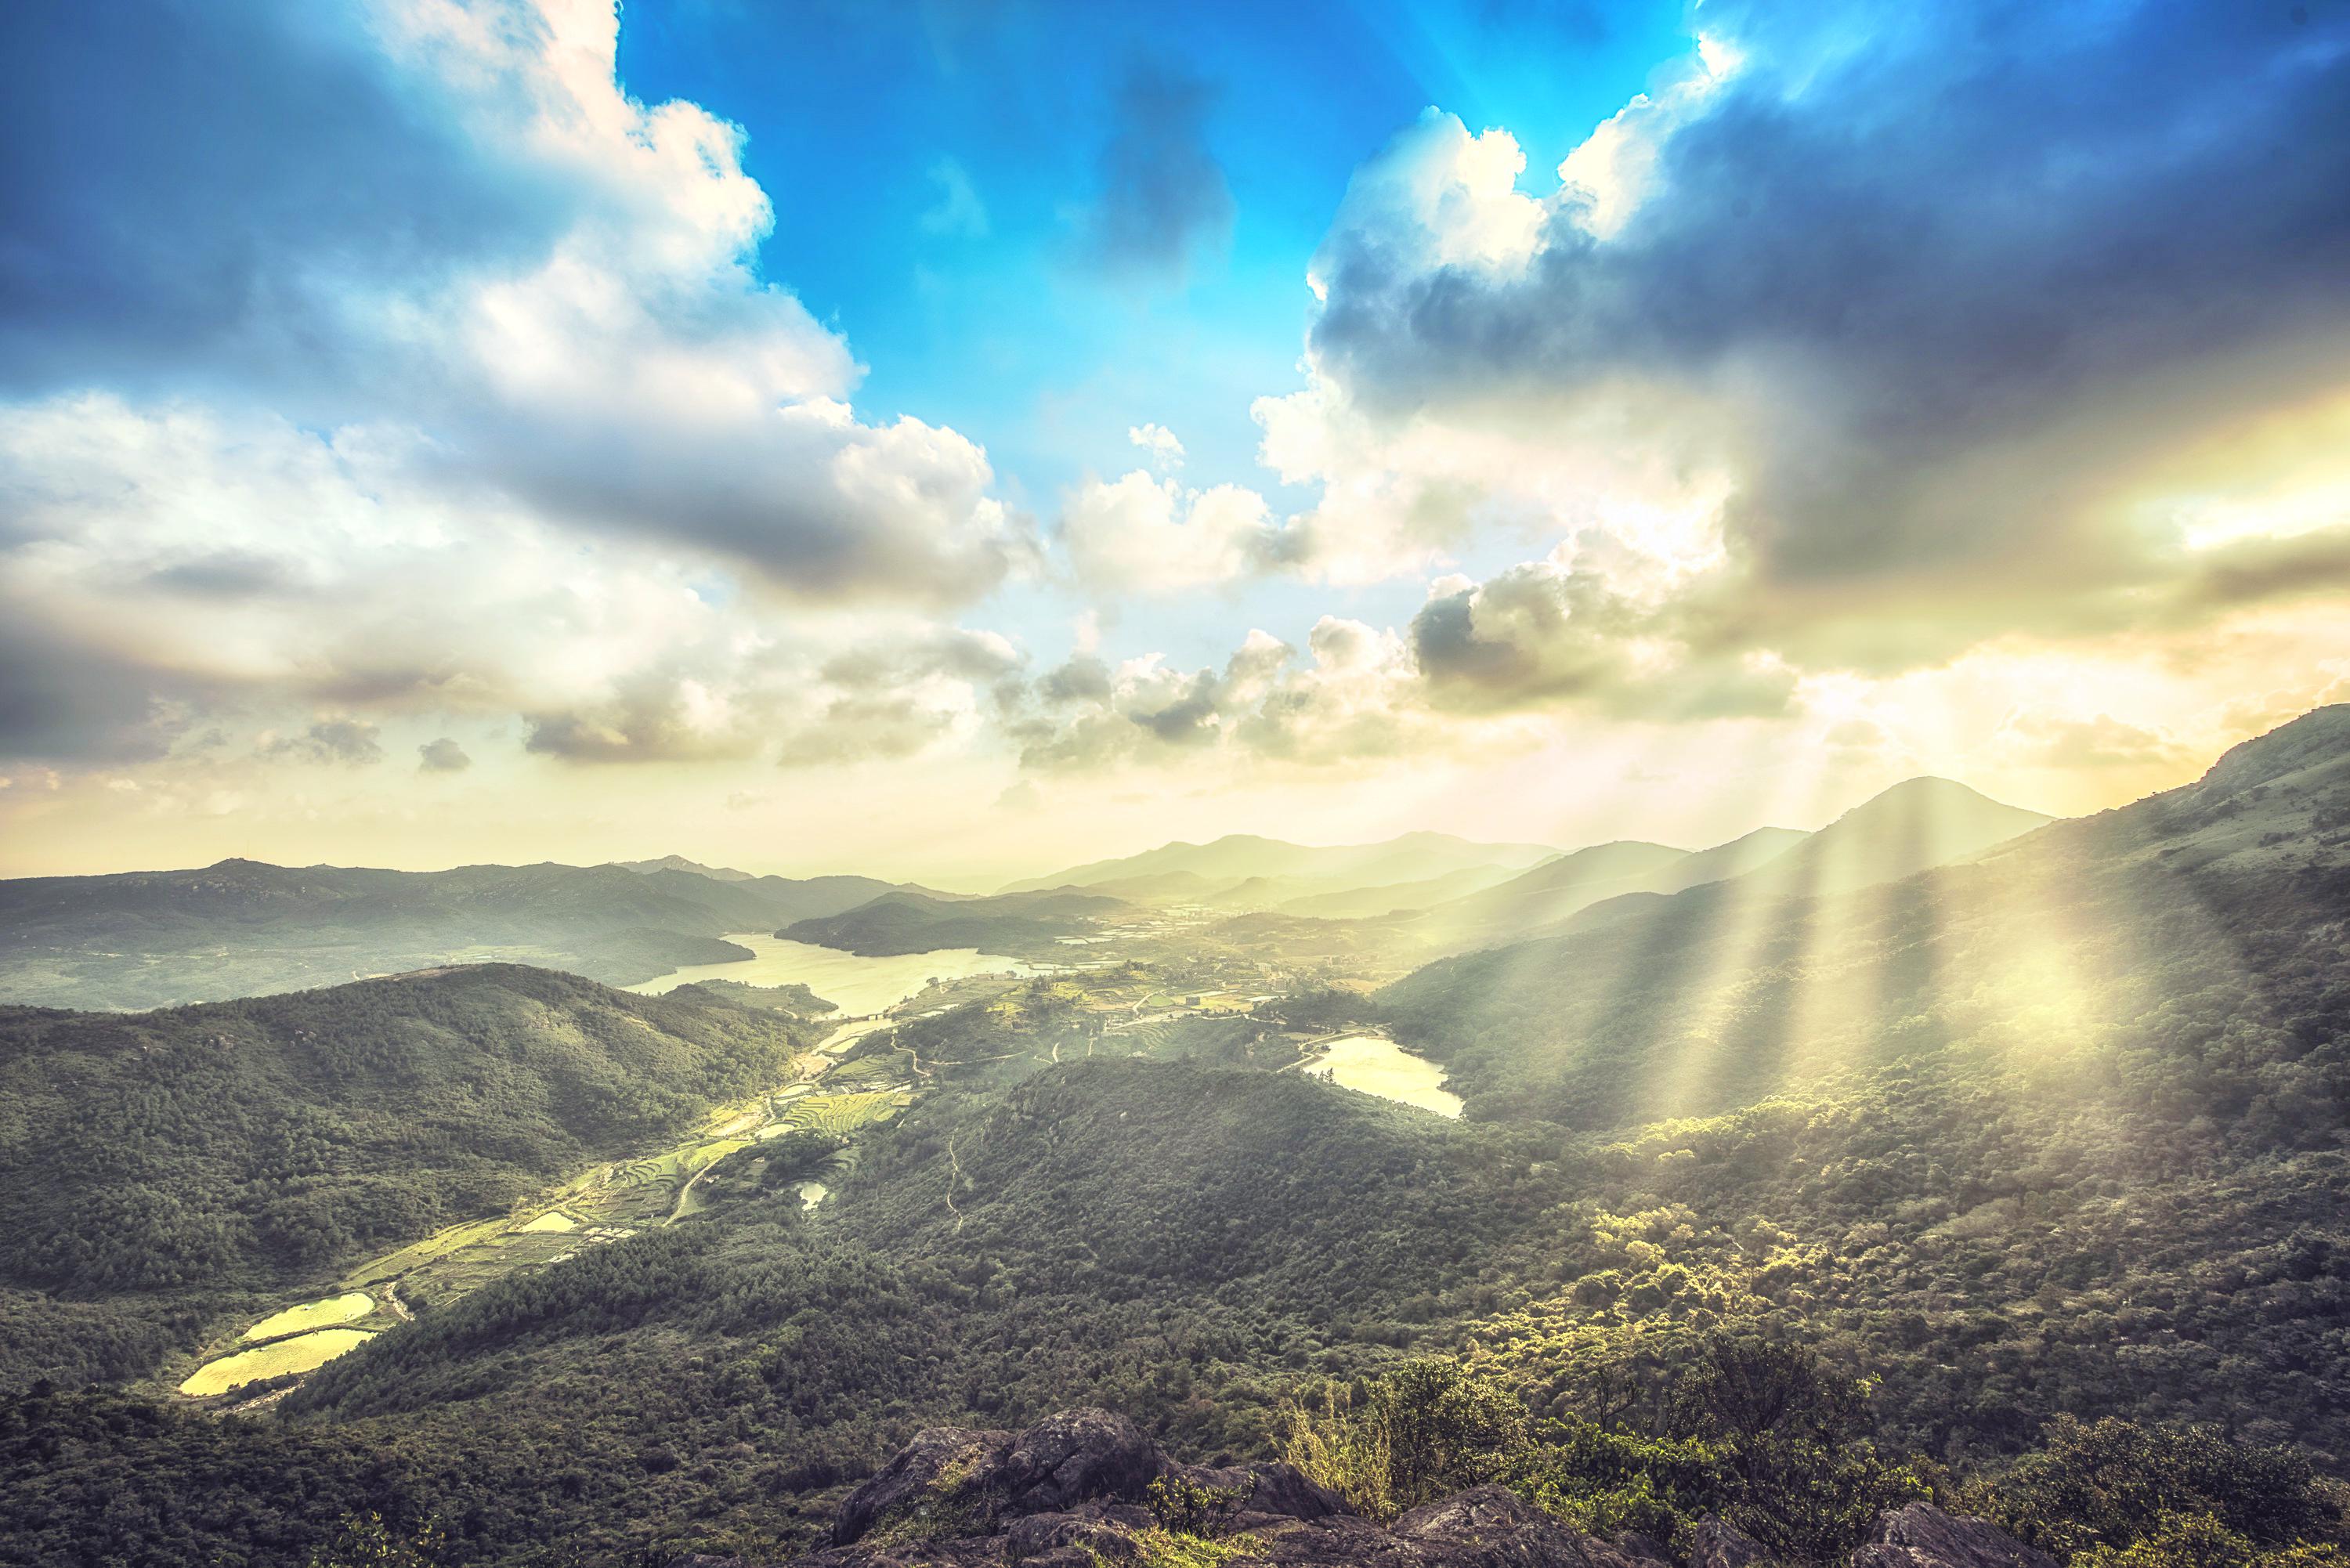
1551 633
357 585
1900 316
354 742
1140 535
2045 741
1162 195
1508 660
443 755
958 212
1165 452
450 227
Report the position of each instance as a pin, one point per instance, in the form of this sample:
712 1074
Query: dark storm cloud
1953 263
1162 192
1538 637
354 742
223 575
65 704
442 756
187 183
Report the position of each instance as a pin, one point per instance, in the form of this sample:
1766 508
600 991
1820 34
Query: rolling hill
1018 925
2054 1129
1913 826
1904 829
156 1168
242 928
1227 862
680 863
2052 942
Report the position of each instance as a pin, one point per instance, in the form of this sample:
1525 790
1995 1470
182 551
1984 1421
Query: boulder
1066 1459
1104 1529
1341 1541
1920 1535
939 1460
1717 1544
1072 1491
1266 1491
1489 1527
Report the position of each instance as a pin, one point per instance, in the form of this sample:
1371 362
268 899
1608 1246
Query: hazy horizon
980 881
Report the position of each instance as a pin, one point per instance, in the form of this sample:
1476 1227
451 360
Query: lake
1375 1065
858 984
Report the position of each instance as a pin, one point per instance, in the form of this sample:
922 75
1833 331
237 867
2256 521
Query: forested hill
1020 925
154 1165
242 928
2204 925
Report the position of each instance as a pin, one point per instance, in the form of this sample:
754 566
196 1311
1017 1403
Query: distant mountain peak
680 863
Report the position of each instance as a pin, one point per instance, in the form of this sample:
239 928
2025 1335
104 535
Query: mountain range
1787 1198
242 928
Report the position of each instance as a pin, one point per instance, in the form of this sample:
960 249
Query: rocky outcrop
931 1468
1089 1486
1078 1455
1715 1544
1922 1536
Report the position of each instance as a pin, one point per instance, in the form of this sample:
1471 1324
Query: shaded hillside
242 928
156 1165
1557 888
1389 897
1018 925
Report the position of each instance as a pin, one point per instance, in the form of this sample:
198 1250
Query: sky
957 438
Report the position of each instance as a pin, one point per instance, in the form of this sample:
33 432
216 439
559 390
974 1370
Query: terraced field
840 1115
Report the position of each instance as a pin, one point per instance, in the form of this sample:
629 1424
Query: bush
2112 1487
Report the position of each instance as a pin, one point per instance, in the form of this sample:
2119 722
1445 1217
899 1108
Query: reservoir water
1375 1065
857 984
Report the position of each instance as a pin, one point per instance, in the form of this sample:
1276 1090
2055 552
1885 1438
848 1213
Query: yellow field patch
553 1220
299 1354
343 1308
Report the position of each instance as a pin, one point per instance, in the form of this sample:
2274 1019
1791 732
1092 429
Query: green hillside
159 1170
1019 925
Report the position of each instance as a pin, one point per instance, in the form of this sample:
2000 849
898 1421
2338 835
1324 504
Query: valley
2049 1126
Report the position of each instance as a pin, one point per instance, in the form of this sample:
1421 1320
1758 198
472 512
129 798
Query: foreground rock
1923 1536
1086 1487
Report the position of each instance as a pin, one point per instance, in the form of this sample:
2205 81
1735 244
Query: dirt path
955 1180
677 1212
